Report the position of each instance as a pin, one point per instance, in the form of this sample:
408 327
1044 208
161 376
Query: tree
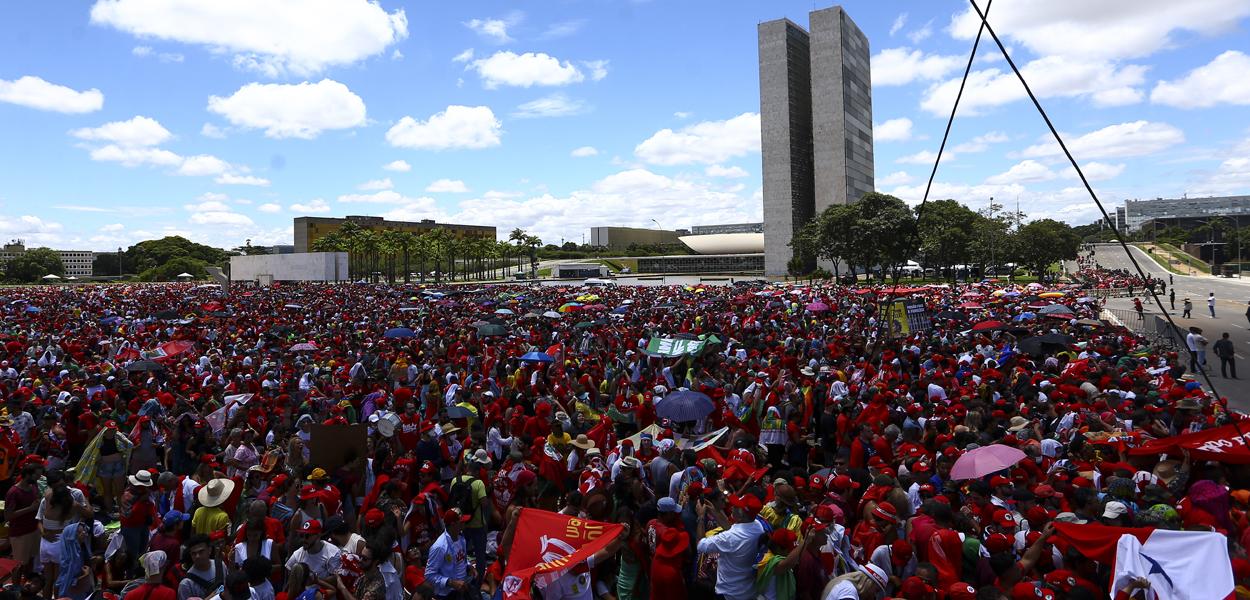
518 237
170 270
880 233
1045 242
153 253
947 229
33 264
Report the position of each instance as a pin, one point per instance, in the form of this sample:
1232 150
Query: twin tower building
816 124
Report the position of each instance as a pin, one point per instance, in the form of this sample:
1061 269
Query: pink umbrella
978 463
817 307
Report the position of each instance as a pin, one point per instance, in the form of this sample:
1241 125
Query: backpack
461 495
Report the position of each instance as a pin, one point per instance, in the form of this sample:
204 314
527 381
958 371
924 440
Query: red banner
1221 444
546 545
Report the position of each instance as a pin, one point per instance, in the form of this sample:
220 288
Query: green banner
671 347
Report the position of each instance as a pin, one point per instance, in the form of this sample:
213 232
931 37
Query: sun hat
583 442
215 492
141 479
318 474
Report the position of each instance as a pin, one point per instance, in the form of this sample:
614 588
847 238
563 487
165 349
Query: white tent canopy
51 276
187 275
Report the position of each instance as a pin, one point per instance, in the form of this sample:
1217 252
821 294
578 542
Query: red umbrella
983 325
970 305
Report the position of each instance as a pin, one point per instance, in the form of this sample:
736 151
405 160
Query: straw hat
1018 423
216 492
583 442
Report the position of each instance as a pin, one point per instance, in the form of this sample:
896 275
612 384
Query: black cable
1107 217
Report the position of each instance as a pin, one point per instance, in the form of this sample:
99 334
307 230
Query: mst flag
547 544
1223 444
1178 564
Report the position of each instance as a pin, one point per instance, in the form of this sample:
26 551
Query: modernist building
1183 212
310 229
815 122
727 228
620 238
77 263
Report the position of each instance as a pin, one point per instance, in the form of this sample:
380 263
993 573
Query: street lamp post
119 261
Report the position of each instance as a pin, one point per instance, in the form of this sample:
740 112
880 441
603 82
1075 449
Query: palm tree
422 248
438 239
518 237
534 243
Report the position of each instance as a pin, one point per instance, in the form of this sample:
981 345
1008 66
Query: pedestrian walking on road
1172 298
1187 307
1138 307
1197 345
1224 349
1211 303
1169 279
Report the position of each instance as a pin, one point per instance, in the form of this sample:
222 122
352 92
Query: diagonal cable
1107 217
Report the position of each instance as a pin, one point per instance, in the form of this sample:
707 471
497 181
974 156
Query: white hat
1114 509
142 479
216 492
876 574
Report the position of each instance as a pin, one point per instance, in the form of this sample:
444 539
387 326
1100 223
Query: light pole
119 261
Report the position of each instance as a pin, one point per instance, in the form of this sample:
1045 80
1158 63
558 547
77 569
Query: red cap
374 517
900 552
885 511
1029 590
1005 519
307 492
843 483
817 482
453 515
997 542
695 489
748 502
1061 579
998 480
784 539
428 468
1046 491
311 527
961 591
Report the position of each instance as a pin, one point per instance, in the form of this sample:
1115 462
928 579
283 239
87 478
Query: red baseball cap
311 527
748 502
997 542
453 515
1030 590
885 511
961 591
843 483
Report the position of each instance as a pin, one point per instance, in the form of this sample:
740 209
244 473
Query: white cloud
213 131
708 142
562 29
894 130
34 92
924 157
376 184
270 207
1027 171
454 128
112 227
398 165
525 70
921 34
382 197
1137 138
271 37
301 111
232 179
1096 171
495 30
899 22
555 105
447 186
499 195
138 132
133 157
166 57
1221 81
316 207
221 218
895 178
1105 84
203 164
141 51
583 152
1107 29
732 172
629 198
598 69
465 56
682 114
900 66
980 143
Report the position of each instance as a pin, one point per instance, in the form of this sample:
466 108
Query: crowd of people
169 441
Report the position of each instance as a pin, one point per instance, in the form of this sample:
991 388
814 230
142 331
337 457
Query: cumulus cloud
1096 171
924 157
312 37
203 164
317 206
270 207
137 132
893 130
447 186
901 66
1137 138
233 179
382 197
212 131
457 127
494 30
211 209
34 92
302 110
584 151
1103 83
731 172
980 143
1221 81
398 165
507 68
376 184
598 69
1027 171
708 142
895 178
554 105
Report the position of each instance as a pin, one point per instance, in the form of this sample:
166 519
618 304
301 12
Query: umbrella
951 315
293 306
110 320
399 332
176 347
551 314
221 314
971 305
620 310
975 464
1024 316
817 307
684 405
570 307
491 330
144 365
537 357
187 275
1051 295
304 347
1051 342
1089 322
1056 309
50 277
584 325
460 412
504 311
991 324
166 315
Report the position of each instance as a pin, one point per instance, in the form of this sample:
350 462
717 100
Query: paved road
1230 311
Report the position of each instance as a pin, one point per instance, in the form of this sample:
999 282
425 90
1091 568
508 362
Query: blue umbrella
684 405
33 309
399 332
1026 315
537 357
620 310
110 320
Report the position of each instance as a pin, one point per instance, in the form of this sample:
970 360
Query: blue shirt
447 561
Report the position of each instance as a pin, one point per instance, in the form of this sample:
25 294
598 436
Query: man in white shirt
322 559
737 545
1197 345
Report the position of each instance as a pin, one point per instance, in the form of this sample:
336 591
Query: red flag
1096 541
1222 444
546 545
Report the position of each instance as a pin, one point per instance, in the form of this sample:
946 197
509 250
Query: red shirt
149 591
139 512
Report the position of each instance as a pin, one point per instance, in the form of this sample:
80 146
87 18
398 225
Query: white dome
725 243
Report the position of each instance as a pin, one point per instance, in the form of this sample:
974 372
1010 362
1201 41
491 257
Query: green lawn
1164 254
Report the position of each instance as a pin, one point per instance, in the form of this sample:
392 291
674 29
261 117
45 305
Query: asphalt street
1230 313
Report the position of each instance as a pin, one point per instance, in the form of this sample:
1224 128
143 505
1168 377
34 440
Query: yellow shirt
209 519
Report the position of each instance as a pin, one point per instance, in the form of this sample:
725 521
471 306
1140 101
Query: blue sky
221 120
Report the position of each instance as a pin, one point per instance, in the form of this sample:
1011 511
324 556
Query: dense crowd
164 441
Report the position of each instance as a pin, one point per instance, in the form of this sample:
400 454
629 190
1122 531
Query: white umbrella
187 275
50 276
